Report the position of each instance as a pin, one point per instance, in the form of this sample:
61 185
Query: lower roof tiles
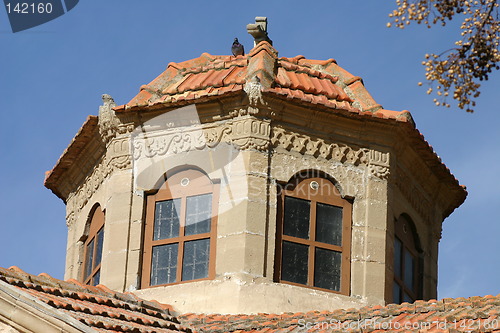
99 309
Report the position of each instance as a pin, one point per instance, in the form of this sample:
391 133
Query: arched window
93 248
180 231
313 235
407 263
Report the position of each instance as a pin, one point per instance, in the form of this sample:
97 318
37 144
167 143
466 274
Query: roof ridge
299 68
263 45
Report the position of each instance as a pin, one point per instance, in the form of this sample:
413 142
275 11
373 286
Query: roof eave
84 135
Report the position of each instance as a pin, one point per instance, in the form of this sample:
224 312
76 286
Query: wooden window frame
199 183
96 225
295 189
406 234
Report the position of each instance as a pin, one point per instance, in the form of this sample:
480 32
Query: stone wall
250 151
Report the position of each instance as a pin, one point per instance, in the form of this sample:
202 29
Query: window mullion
180 253
94 250
312 238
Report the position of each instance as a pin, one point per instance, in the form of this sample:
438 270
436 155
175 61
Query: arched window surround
178 192
320 193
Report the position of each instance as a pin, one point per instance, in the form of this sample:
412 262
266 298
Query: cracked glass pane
327 269
198 214
167 223
409 269
98 247
97 277
295 262
329 224
296 218
89 258
397 257
196 258
164 264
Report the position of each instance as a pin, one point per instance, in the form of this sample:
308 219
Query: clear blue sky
52 77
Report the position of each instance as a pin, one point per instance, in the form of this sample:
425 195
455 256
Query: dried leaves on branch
457 71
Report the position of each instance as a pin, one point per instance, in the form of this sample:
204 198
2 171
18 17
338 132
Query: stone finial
259 30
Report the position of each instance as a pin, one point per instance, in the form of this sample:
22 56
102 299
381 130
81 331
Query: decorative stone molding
244 133
318 148
70 218
250 133
108 122
379 164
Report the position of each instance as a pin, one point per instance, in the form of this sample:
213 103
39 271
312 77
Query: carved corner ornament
378 164
108 122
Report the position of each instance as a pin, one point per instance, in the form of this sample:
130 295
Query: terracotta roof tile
204 75
97 307
321 83
449 315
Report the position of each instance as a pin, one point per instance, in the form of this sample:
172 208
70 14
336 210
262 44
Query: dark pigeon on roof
237 48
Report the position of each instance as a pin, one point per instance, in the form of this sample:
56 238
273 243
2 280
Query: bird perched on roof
237 48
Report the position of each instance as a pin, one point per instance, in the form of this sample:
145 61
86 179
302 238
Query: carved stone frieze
318 148
244 133
376 161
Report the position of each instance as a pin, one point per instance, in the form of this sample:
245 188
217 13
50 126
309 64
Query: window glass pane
396 293
407 298
167 219
327 269
195 260
409 269
198 214
295 262
88 258
164 264
329 224
97 277
98 247
397 257
296 218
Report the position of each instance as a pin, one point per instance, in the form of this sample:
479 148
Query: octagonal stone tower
254 183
